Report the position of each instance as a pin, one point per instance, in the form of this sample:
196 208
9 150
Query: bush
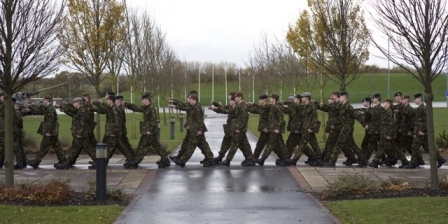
394 184
54 191
442 140
349 184
116 194
443 181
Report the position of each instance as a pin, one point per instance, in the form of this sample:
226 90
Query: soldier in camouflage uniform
333 126
397 109
262 108
19 151
173 103
310 127
197 128
373 127
238 129
347 120
276 130
91 112
363 117
294 125
113 135
225 145
124 130
406 127
81 129
387 137
148 129
421 138
49 129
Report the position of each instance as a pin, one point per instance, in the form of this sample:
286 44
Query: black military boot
33 163
410 165
440 162
282 162
317 162
421 162
1 165
59 162
225 163
383 161
259 161
65 165
330 164
350 161
363 163
391 162
218 159
179 162
309 160
248 163
291 162
403 164
92 166
373 164
19 166
131 164
175 157
164 164
209 163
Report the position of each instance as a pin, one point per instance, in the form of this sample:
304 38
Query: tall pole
388 68
199 92
185 80
225 77
239 80
281 89
213 83
253 87
172 83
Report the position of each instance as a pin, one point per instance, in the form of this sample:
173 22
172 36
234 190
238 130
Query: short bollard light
181 122
101 157
172 120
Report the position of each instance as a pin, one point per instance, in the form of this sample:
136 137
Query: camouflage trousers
52 141
116 142
276 144
194 141
330 144
185 143
239 140
344 144
19 151
129 146
145 143
421 141
78 144
307 138
385 147
372 145
365 145
293 142
225 145
405 143
92 138
261 143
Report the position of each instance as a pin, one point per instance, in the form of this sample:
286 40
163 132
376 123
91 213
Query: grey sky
216 30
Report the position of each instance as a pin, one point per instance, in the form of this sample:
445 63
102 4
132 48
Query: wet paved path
234 194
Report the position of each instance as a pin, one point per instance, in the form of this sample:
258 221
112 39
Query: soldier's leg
184 146
302 147
204 147
373 145
245 147
158 148
75 149
280 148
142 148
291 143
44 148
272 143
192 144
18 149
89 149
234 144
343 140
330 144
312 140
225 145
381 150
124 149
112 144
261 143
58 148
128 145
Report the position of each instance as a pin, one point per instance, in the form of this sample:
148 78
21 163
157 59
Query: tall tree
90 29
28 52
418 33
334 37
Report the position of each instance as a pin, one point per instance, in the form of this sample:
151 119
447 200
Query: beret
77 99
376 95
305 94
262 97
418 95
48 97
398 94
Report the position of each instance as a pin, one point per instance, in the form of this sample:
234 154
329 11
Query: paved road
235 194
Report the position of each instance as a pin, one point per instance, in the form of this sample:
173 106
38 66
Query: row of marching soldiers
82 129
390 130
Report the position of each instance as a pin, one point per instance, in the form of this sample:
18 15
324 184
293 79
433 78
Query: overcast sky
218 30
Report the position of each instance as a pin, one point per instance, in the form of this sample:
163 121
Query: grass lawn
59 214
31 124
391 210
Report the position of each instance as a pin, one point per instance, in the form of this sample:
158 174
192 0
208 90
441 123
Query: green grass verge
31 124
59 214
391 210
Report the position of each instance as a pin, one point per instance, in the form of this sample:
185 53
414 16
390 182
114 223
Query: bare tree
28 51
418 33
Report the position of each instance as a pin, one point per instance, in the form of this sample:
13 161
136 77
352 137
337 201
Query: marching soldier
262 108
196 129
91 115
421 138
406 126
148 129
333 125
19 151
124 130
276 130
363 117
49 129
81 129
373 127
238 129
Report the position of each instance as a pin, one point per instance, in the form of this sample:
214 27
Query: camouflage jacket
184 107
309 116
375 114
50 124
365 118
80 123
276 120
420 119
240 118
387 118
91 114
333 114
295 121
113 120
149 115
263 111
225 110
19 119
347 115
398 114
196 119
407 119
122 114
